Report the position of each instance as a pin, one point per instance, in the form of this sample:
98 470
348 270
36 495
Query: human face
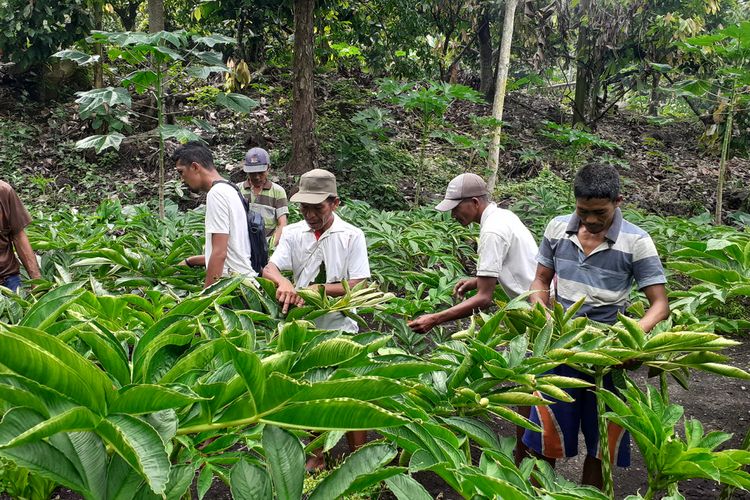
258 179
319 216
597 214
466 211
189 175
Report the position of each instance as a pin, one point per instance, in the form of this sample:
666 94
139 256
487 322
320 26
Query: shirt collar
266 186
489 209
335 227
612 233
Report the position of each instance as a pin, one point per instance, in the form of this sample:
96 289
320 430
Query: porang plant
121 382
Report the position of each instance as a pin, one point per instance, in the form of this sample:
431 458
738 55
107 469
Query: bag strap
245 205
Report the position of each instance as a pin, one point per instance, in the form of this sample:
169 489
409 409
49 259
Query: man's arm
337 289
215 264
482 299
541 285
280 223
658 309
26 254
285 292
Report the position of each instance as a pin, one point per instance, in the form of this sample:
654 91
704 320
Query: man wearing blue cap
265 197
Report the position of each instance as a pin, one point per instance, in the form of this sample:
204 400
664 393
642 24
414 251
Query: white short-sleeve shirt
507 250
342 250
225 214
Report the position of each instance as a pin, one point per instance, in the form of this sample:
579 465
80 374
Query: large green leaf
328 353
363 461
78 57
236 102
46 310
198 358
75 419
141 447
249 367
249 482
182 134
362 388
48 361
406 487
148 398
40 456
286 459
101 142
327 414
108 352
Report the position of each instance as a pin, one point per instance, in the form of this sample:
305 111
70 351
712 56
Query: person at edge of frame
14 243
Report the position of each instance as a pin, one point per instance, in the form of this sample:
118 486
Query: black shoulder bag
256 230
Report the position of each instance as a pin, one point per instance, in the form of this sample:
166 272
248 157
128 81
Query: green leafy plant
152 57
428 102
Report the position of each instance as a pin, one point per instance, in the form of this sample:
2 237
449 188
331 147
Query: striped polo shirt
271 203
605 276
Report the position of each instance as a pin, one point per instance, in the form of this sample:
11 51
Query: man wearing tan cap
507 250
264 197
322 244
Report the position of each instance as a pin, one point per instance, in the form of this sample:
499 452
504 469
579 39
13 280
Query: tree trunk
503 64
653 102
127 14
304 148
581 103
98 48
485 56
724 155
155 16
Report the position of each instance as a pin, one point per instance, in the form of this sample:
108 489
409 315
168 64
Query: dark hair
194 151
597 181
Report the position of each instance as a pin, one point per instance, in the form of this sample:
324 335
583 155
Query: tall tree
304 147
155 16
503 65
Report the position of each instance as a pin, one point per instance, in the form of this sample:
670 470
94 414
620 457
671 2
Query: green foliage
575 138
21 484
670 458
30 32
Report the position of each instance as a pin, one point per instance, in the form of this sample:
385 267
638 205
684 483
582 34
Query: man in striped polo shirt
265 197
597 255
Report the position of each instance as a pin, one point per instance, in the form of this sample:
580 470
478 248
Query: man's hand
464 285
424 323
287 296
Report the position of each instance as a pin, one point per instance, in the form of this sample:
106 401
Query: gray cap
256 160
315 187
462 187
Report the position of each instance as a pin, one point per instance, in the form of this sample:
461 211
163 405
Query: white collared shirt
342 249
507 250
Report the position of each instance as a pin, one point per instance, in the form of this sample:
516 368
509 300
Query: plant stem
422 147
724 153
608 485
160 122
664 387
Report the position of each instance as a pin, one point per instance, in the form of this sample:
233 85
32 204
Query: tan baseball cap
461 187
315 187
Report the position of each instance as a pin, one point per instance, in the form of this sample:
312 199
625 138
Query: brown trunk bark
98 50
127 14
155 16
304 148
653 102
486 72
581 104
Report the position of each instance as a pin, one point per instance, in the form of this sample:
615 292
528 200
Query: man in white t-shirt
227 247
320 251
507 250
